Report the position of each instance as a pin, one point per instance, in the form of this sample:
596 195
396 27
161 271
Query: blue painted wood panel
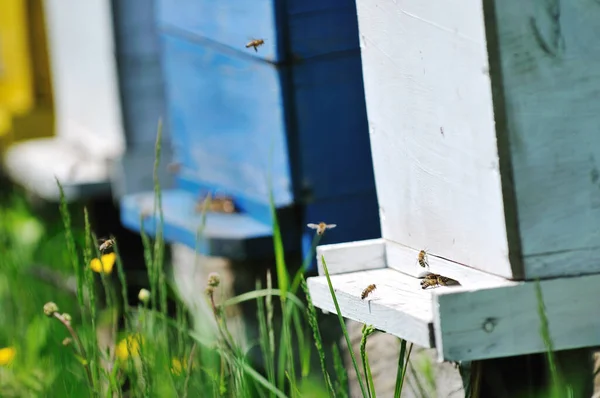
335 154
227 112
229 23
317 28
312 28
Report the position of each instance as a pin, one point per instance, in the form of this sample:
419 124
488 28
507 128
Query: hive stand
483 125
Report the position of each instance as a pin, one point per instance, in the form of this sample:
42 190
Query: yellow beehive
25 94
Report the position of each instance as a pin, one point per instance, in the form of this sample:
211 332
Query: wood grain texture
432 130
547 67
398 306
497 322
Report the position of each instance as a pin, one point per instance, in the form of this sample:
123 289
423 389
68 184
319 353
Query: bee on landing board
433 280
321 227
255 43
422 259
368 290
106 244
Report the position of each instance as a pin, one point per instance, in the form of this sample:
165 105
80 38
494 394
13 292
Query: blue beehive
294 108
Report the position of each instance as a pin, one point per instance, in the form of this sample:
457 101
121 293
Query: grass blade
312 321
343 326
401 369
341 383
66 217
558 388
366 332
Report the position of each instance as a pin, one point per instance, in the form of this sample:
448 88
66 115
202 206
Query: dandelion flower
7 355
129 346
104 264
177 366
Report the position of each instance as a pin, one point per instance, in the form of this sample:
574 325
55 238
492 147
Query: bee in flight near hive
255 43
422 259
321 227
368 290
433 280
106 244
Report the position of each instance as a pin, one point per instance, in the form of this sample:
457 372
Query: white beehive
483 120
89 129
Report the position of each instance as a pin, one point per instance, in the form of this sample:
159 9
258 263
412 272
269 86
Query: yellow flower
7 355
104 264
177 366
129 346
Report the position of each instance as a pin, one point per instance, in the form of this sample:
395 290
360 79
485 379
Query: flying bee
255 43
422 259
321 227
433 280
368 290
106 244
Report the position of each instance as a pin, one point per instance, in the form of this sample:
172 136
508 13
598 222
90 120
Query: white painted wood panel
432 129
547 66
84 75
404 259
490 323
352 256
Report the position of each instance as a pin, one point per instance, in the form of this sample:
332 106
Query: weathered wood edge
352 256
505 321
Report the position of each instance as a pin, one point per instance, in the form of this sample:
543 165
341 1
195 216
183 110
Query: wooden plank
432 129
546 68
473 323
352 256
398 306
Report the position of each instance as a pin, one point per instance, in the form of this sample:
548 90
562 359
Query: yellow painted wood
26 105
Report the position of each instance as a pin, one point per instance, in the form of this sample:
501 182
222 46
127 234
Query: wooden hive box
294 107
484 123
89 131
